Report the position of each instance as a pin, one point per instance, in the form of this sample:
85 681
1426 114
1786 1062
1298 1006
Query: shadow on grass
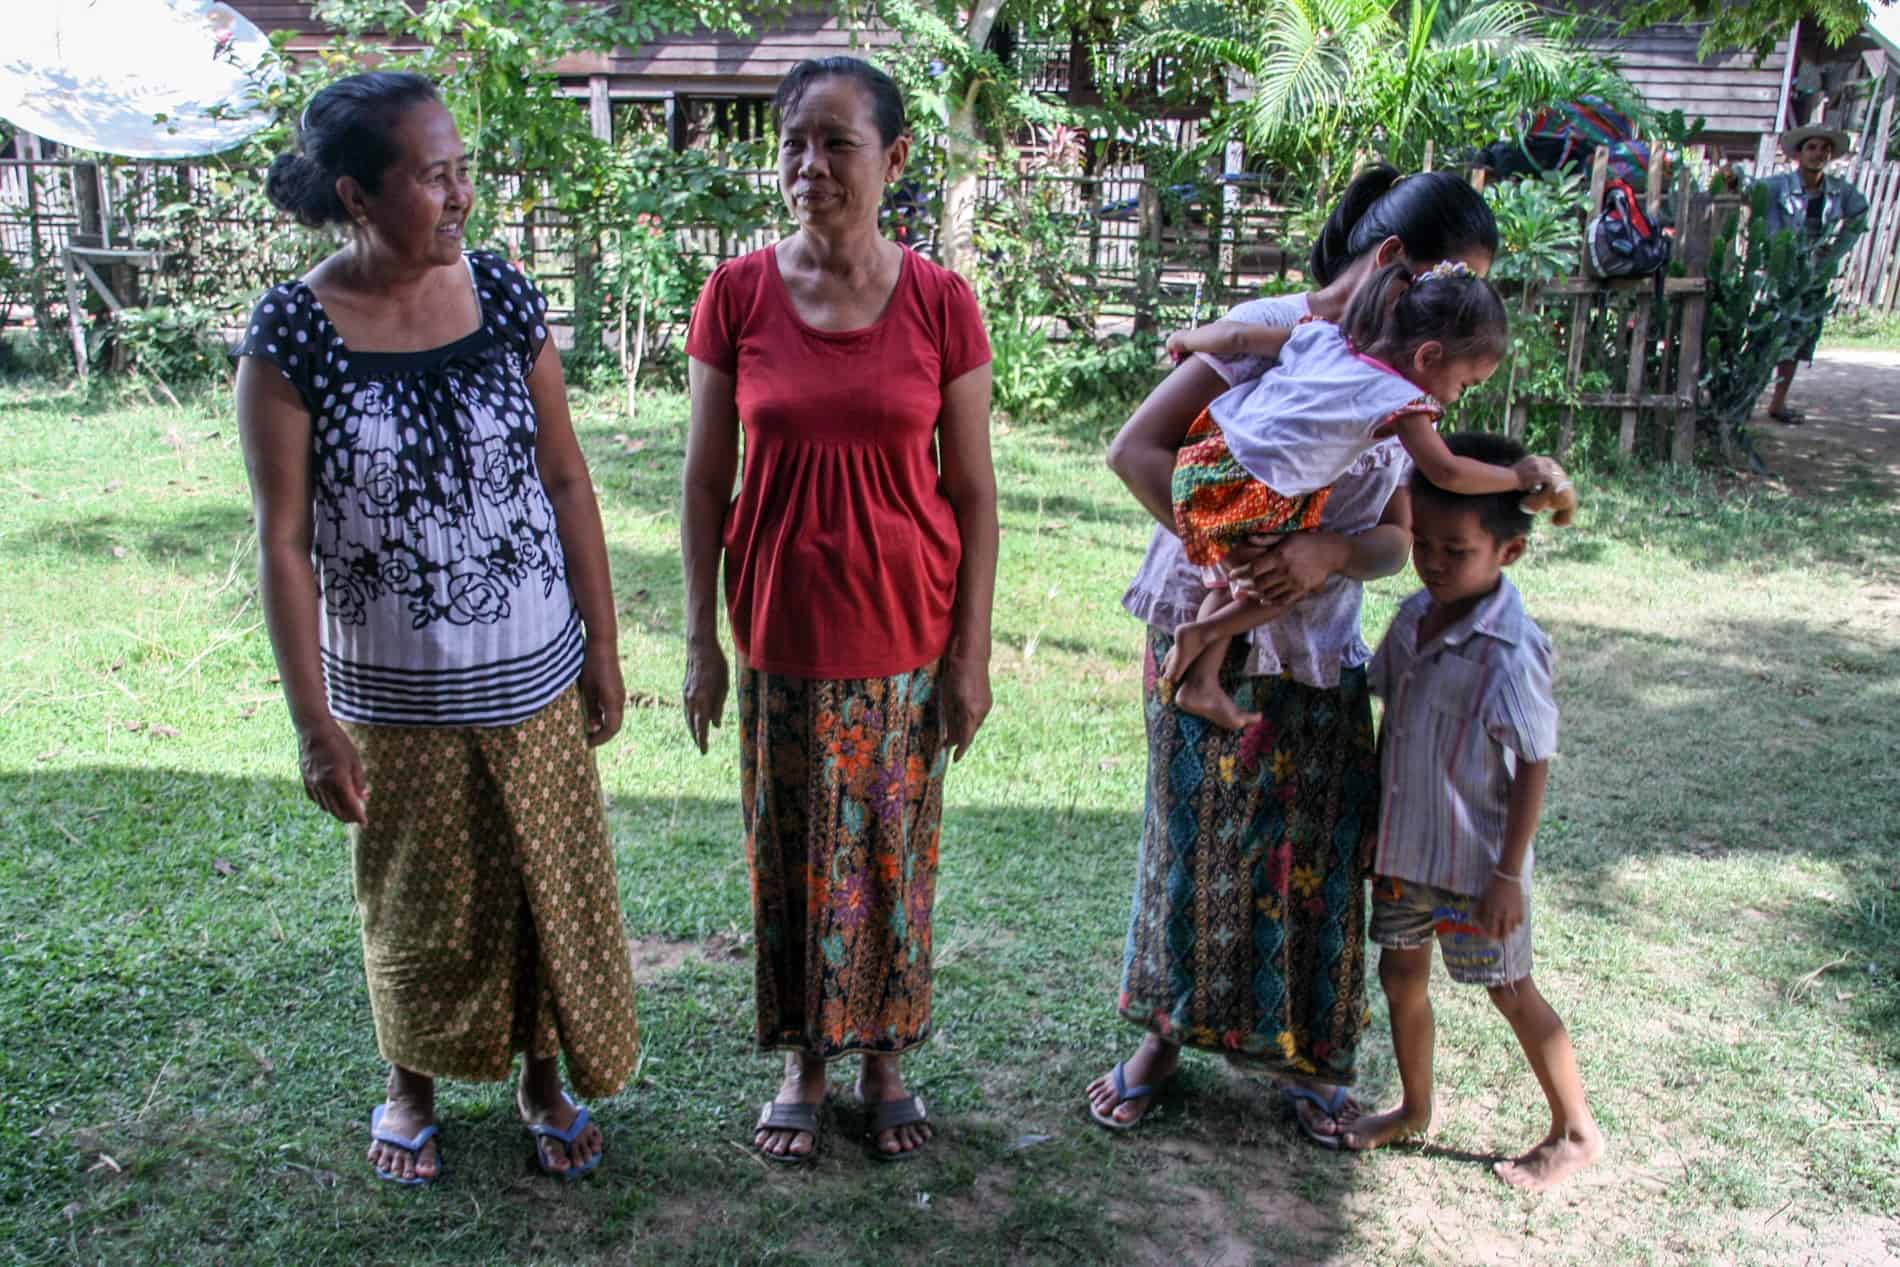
1714 521
1771 739
178 534
182 994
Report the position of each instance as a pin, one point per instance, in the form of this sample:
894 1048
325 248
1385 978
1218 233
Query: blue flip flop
1292 1093
412 1146
1123 1094
539 1131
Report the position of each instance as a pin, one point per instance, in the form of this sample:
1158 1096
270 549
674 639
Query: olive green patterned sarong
491 919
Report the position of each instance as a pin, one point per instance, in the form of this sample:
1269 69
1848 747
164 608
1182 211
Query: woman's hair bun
348 129
296 186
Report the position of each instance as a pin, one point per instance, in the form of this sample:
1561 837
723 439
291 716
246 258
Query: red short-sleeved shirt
841 547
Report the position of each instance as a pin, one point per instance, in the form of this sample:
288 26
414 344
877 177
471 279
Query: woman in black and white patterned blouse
435 580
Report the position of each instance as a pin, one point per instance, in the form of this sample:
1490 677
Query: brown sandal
888 1115
788 1117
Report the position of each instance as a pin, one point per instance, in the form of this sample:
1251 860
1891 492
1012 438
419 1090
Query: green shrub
175 343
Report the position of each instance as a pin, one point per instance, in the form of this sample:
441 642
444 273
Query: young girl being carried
1261 459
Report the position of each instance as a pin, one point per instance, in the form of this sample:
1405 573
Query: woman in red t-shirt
860 560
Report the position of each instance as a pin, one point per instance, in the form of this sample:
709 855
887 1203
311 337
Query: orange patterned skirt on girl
1218 504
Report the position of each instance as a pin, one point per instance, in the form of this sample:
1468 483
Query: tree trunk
964 152
963 163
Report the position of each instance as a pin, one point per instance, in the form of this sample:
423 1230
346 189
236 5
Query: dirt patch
1830 1237
1850 442
655 957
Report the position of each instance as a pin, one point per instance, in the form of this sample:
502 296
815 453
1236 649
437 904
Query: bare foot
1152 1064
1189 641
1376 1130
1216 706
407 1110
1554 1160
881 1080
539 1100
804 1083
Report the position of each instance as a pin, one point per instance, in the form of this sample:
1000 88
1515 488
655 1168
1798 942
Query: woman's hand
966 699
333 772
1279 571
704 693
603 693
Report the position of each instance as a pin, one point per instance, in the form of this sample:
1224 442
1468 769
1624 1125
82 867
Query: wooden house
1744 105
706 82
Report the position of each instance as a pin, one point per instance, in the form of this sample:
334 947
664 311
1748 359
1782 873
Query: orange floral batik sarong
842 798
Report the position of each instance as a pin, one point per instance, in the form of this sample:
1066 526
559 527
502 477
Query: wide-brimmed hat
1793 139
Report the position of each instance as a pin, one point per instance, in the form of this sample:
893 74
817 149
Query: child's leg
1405 975
1200 691
1574 1140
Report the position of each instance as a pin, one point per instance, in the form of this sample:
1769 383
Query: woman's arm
1280 571
712 460
583 541
969 481
1143 451
274 429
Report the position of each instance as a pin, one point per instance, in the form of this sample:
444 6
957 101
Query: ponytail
1332 249
1396 312
1435 215
1369 315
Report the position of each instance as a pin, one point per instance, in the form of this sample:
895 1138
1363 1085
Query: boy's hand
1501 909
1178 345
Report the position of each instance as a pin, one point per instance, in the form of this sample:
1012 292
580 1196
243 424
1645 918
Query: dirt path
1851 440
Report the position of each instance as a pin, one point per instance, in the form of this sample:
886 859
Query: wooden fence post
1147 254
1581 305
1700 225
1639 334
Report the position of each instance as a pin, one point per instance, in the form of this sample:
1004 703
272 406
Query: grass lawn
186 1063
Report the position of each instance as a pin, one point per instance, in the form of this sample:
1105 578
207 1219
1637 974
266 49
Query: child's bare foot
1376 1130
1189 641
1215 705
1554 1160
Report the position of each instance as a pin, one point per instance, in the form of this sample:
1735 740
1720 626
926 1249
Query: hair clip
303 120
1444 269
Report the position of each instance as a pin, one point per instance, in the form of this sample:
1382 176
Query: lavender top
1320 636
1460 712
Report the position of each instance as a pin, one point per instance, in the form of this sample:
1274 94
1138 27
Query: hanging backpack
1620 241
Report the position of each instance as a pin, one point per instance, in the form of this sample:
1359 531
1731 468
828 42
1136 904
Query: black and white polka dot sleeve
282 331
517 310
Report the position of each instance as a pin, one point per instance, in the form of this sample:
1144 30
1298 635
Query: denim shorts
1406 915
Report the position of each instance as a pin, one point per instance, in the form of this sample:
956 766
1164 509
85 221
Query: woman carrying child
1248 923
1262 458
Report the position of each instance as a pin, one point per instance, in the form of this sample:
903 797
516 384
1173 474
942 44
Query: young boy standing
1470 725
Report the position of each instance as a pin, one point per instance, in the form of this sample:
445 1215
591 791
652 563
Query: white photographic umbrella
139 78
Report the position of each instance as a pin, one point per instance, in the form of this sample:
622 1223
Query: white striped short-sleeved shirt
1460 712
